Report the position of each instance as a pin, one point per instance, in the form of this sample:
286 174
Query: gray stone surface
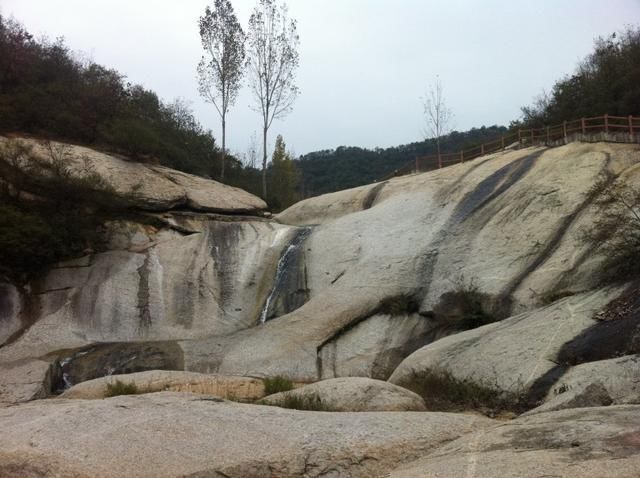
170 434
579 443
154 187
355 394
231 387
614 381
513 355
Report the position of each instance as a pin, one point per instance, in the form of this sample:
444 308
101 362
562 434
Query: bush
49 213
277 384
616 230
308 402
465 307
121 388
443 392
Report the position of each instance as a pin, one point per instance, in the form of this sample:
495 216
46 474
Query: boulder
576 443
236 388
167 434
151 187
518 356
605 382
26 380
354 394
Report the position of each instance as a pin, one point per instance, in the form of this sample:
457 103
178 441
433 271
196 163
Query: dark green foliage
308 402
47 92
399 305
49 214
607 81
121 388
347 167
277 384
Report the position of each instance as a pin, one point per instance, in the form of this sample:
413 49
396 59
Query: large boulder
577 443
519 356
151 187
352 394
26 380
231 387
169 435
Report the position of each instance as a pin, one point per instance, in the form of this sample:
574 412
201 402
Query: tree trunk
224 149
438 146
264 163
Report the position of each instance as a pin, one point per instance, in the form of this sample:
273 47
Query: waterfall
289 290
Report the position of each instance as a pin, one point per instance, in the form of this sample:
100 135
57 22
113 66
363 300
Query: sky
364 64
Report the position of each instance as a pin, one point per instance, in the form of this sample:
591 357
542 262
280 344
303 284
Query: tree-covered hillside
347 166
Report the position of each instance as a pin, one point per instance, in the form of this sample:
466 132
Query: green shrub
308 402
277 384
121 388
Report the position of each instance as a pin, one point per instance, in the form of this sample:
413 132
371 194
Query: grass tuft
121 388
277 384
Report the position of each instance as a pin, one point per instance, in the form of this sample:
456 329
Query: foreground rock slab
576 443
169 434
235 387
355 394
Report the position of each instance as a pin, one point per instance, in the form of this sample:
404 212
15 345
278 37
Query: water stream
289 290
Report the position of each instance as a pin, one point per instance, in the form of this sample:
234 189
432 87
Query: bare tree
439 117
220 69
272 62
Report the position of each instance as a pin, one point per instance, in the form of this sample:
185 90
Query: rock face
578 443
168 434
355 394
155 188
520 355
506 224
238 388
153 285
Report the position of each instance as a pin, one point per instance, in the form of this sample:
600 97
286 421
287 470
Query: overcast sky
364 64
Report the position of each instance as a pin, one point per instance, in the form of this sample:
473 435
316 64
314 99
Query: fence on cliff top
621 129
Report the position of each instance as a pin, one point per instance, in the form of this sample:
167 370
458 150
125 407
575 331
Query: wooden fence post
519 137
481 149
606 124
564 131
462 156
631 128
417 169
531 136
548 137
584 126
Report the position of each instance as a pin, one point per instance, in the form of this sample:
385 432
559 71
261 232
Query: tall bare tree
272 62
439 118
221 68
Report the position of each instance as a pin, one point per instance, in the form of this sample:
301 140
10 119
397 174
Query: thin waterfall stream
289 290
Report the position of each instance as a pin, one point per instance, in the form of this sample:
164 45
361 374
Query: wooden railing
622 129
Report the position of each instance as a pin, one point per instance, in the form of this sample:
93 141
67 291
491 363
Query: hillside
347 166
